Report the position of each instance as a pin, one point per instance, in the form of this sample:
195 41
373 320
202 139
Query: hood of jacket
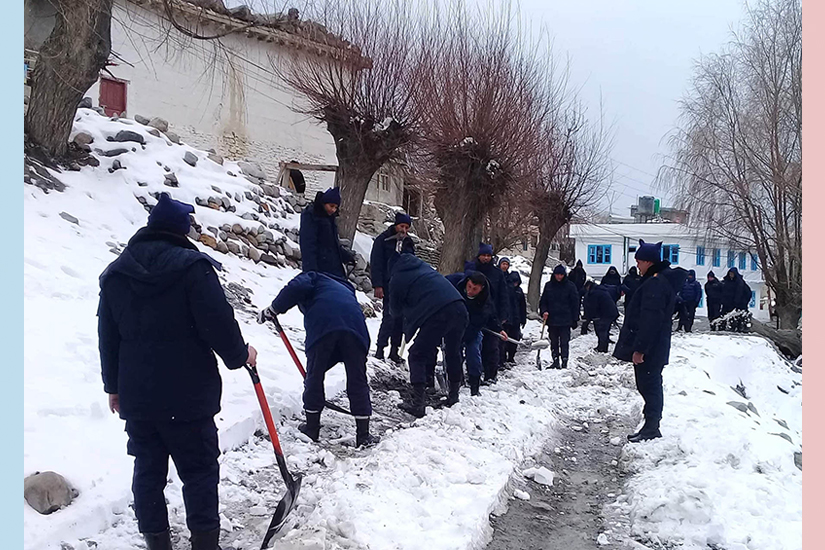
515 278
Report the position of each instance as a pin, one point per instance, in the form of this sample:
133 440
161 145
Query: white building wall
226 99
621 236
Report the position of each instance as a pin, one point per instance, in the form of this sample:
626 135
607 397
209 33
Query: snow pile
724 475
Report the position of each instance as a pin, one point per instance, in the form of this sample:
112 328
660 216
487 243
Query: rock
616 441
216 158
160 124
113 152
226 203
99 110
142 184
244 250
190 158
521 495
238 197
602 539
48 492
116 165
248 216
252 169
85 103
237 228
248 194
781 423
173 137
142 120
233 247
213 230
368 310
741 407
193 234
170 180
269 259
222 235
271 190
222 247
788 341
797 459
83 139
154 132
540 475
226 227
69 218
209 241
201 202
124 136
752 408
214 203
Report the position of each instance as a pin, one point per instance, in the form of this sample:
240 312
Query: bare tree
737 152
363 93
482 101
576 168
69 63
510 222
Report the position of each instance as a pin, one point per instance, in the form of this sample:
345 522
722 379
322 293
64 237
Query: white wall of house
226 99
386 186
621 240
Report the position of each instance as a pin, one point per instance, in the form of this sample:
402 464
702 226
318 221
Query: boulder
238 197
48 492
124 136
170 180
160 124
173 137
85 103
112 152
222 235
233 247
216 158
209 241
252 169
154 132
69 218
83 139
223 247
190 158
226 203
193 233
269 259
142 120
271 190
237 228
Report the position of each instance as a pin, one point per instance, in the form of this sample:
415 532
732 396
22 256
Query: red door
112 96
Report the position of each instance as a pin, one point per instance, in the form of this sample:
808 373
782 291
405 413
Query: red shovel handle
291 350
270 424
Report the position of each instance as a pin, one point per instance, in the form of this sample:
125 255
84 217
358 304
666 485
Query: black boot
475 382
363 438
379 354
415 406
452 397
312 427
205 540
158 541
564 362
555 364
394 357
650 430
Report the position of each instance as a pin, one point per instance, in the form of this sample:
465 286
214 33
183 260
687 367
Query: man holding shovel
335 332
559 307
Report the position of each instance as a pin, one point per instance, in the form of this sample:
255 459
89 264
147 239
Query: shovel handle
270 424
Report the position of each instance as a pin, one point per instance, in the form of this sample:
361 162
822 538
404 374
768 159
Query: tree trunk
353 181
461 231
788 315
789 342
69 63
547 232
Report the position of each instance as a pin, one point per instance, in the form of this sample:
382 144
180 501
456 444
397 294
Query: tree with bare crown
574 175
482 100
737 152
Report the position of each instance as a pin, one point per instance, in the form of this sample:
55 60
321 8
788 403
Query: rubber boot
158 541
312 427
452 397
379 354
650 430
394 357
564 362
205 540
555 364
415 406
363 438
475 382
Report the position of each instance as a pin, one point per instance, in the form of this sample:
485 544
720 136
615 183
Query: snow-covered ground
719 477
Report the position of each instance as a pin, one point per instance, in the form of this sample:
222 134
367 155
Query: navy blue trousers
331 349
392 328
445 325
649 384
602 328
559 341
193 446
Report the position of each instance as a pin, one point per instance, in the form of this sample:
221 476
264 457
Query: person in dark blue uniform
320 248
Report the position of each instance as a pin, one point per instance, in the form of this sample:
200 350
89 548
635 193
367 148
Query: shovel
293 484
541 338
498 335
280 330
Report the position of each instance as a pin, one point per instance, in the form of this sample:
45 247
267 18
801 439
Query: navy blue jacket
612 277
499 287
328 305
648 319
417 291
579 276
691 291
518 308
162 312
320 248
384 256
560 300
480 309
600 304
713 291
736 294
631 282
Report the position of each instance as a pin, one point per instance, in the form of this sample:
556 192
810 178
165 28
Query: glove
267 314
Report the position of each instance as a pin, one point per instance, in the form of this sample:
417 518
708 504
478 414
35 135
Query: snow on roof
633 230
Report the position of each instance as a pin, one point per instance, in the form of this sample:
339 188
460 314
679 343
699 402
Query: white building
601 245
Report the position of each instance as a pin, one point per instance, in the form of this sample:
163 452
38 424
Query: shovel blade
285 506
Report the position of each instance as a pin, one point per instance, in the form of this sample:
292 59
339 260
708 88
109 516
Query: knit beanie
170 215
648 252
331 196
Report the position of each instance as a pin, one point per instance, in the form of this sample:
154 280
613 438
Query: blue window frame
717 257
743 261
599 253
670 252
700 255
731 258
754 263
753 299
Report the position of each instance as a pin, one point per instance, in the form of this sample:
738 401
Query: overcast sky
638 54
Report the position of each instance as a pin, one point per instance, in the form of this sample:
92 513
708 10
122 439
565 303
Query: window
753 299
112 96
700 255
670 252
743 261
384 182
599 253
717 257
754 263
731 258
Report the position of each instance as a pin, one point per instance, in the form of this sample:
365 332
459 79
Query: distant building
601 245
649 210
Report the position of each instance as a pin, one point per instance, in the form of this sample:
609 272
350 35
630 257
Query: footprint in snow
70 272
